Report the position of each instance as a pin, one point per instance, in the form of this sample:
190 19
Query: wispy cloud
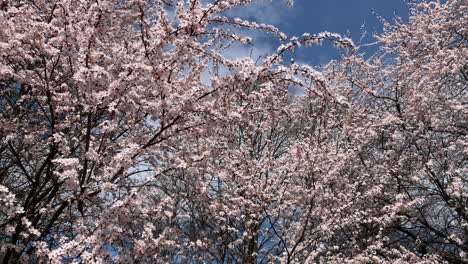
275 12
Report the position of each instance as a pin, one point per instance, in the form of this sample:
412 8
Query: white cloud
274 12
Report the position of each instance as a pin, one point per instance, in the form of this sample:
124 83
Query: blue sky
314 16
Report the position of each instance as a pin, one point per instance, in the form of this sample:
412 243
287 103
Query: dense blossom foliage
128 137
408 132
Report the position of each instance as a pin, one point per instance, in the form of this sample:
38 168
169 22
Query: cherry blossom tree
405 132
114 148
128 137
